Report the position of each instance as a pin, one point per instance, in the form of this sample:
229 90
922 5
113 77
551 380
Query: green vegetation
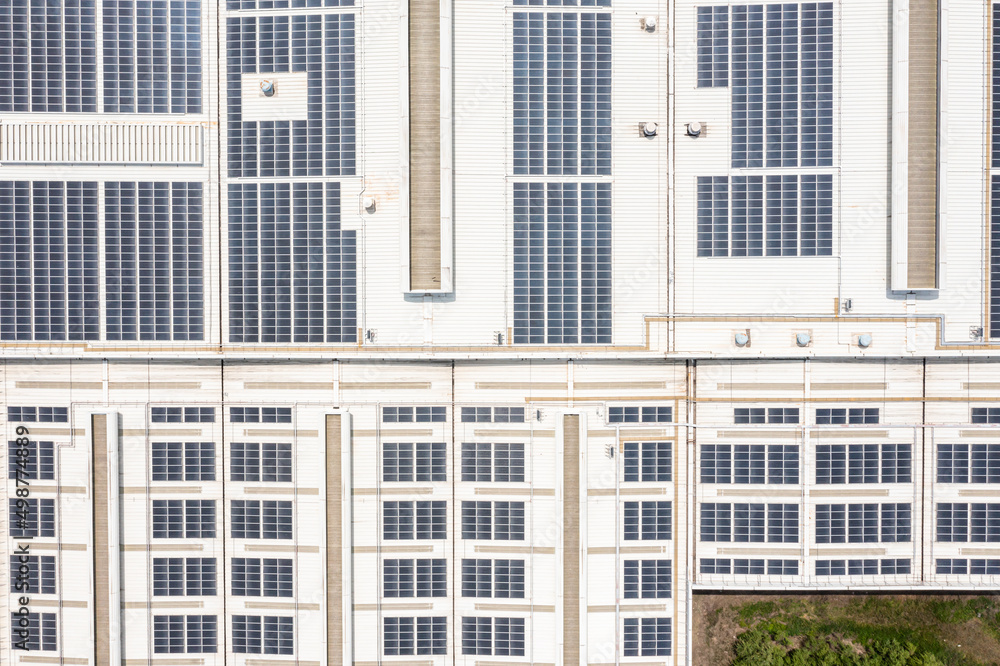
867 631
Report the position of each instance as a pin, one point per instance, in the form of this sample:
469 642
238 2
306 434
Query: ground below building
846 630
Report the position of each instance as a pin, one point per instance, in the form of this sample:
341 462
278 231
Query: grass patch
866 631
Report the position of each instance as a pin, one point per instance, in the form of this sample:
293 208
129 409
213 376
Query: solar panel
48 55
774 215
781 215
782 81
285 4
48 261
995 248
292 269
80 52
816 79
562 263
324 143
713 216
995 162
154 249
152 56
562 93
748 85
713 46
563 3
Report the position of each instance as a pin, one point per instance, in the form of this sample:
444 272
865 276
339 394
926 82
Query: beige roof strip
922 153
425 144
571 539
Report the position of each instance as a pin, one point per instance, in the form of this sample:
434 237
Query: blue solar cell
647 636
864 523
862 463
46 56
781 215
995 96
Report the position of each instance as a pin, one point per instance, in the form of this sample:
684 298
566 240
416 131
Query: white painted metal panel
101 143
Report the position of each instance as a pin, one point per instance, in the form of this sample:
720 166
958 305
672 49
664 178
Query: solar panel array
778 61
48 56
968 463
152 56
778 58
863 523
323 143
713 46
561 131
562 263
995 93
154 249
49 261
562 93
285 4
773 215
994 249
863 567
964 523
750 463
50 250
564 3
292 269
748 566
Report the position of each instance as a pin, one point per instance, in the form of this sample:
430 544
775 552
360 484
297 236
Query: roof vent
802 339
369 204
742 339
649 129
267 87
864 341
649 24
693 129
